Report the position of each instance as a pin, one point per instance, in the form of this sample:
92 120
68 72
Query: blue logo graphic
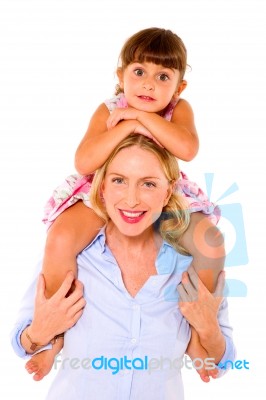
233 214
232 218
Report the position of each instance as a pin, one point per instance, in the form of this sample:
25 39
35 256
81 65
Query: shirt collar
101 239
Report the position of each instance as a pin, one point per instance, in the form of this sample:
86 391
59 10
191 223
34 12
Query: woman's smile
132 217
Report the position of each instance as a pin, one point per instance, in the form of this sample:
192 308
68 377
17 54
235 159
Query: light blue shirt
123 348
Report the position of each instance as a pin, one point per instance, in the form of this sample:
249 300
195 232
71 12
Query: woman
131 337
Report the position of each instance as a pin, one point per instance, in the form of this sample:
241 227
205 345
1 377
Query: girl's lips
146 98
132 217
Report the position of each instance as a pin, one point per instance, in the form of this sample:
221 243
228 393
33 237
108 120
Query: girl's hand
197 304
58 313
120 114
143 131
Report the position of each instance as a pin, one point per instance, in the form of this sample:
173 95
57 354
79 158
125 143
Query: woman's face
135 190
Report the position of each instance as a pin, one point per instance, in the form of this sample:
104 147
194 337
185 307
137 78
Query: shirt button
133 340
135 307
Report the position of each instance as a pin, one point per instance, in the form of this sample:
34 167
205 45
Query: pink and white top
77 187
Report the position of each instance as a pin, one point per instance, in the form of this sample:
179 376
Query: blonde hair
174 219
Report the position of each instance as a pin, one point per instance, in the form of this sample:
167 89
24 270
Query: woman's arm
49 318
200 308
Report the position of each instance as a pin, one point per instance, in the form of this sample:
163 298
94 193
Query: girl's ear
180 87
119 73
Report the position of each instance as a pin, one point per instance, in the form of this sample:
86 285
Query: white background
57 63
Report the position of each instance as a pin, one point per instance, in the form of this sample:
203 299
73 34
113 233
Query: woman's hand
200 308
58 313
197 304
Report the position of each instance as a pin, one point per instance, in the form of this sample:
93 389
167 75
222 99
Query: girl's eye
138 72
163 77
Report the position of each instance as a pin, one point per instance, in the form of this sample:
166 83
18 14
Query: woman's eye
163 77
138 72
118 180
149 184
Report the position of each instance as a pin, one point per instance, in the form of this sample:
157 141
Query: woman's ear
169 193
101 191
180 87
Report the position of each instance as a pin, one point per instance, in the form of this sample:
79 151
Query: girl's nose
148 85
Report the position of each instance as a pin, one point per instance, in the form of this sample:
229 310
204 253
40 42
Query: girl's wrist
140 115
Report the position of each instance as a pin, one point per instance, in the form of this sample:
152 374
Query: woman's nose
132 197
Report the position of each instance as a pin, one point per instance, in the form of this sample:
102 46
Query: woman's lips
132 217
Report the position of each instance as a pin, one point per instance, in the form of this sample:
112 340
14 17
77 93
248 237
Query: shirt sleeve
25 315
230 351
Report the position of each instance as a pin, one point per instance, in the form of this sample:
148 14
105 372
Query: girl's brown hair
156 45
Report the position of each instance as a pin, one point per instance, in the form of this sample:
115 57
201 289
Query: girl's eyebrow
163 69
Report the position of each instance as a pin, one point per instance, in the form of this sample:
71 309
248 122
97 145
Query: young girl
147 101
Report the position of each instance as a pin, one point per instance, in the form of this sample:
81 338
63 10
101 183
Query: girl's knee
208 239
212 245
60 239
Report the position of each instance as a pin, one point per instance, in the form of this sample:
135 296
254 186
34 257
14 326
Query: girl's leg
199 356
205 243
41 363
70 233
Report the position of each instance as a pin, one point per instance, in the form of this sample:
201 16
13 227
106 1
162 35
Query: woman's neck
148 239
135 256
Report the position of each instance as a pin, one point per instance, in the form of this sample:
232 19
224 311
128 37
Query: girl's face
148 86
135 190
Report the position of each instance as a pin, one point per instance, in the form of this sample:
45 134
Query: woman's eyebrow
124 176
116 173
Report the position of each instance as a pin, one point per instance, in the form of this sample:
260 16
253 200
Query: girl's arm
98 142
179 136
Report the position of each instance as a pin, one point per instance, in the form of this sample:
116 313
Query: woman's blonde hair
174 219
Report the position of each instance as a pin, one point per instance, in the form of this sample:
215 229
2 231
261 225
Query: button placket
135 327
